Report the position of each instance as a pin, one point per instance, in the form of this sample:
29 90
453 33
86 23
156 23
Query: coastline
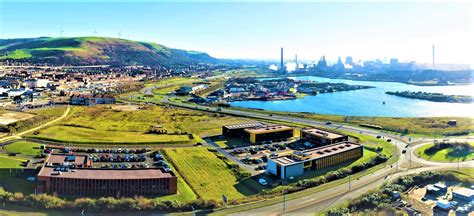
355 78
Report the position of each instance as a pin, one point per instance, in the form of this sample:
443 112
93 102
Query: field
185 193
157 91
10 167
445 155
104 124
8 117
24 148
433 126
208 175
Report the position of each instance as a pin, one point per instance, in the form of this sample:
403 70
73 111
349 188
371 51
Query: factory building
258 132
68 175
321 137
314 159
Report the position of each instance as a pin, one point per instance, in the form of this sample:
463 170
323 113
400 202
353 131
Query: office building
320 137
258 132
73 176
314 159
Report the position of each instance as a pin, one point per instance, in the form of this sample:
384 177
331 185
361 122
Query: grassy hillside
96 50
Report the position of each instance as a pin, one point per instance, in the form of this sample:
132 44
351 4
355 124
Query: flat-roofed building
314 159
258 132
269 133
74 177
322 137
238 130
463 194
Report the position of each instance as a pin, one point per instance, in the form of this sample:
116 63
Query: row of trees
44 201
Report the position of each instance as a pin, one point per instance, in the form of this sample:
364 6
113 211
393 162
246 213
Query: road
18 135
313 203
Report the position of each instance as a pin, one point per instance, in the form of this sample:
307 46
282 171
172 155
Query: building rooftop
88 173
245 125
316 153
464 191
71 159
323 133
268 128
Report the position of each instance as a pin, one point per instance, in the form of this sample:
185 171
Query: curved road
408 163
18 135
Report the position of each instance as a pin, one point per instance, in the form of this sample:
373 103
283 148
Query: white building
37 83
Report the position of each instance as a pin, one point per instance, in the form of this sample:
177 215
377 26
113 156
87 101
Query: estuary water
369 102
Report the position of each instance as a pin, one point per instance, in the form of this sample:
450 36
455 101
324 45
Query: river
369 102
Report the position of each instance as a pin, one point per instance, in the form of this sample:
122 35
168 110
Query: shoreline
368 80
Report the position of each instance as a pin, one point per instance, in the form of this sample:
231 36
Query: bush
339 212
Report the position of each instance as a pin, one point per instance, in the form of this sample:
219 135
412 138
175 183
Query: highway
323 200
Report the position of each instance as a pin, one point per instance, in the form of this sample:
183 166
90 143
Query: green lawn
24 148
208 175
9 168
104 124
185 193
445 155
75 134
372 142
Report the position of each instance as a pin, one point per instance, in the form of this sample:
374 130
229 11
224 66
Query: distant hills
97 51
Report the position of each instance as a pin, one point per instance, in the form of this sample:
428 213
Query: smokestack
433 55
281 60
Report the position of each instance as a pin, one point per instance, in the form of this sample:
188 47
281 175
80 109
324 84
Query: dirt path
18 135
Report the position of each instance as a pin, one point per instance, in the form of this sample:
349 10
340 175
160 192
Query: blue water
369 102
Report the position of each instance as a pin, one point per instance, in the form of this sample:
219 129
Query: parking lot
256 156
118 158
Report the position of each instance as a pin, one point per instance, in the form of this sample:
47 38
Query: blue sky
257 30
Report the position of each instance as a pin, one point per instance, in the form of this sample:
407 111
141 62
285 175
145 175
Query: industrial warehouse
71 175
258 132
314 159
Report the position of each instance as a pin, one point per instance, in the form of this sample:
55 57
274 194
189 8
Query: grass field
157 91
208 175
445 155
104 124
185 193
55 111
24 148
9 168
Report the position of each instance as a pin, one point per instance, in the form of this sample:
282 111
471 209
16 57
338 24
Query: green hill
96 51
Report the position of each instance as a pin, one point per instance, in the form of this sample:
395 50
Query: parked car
262 181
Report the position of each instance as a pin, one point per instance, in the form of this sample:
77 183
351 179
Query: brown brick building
73 180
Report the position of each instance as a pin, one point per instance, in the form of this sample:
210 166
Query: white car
262 182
